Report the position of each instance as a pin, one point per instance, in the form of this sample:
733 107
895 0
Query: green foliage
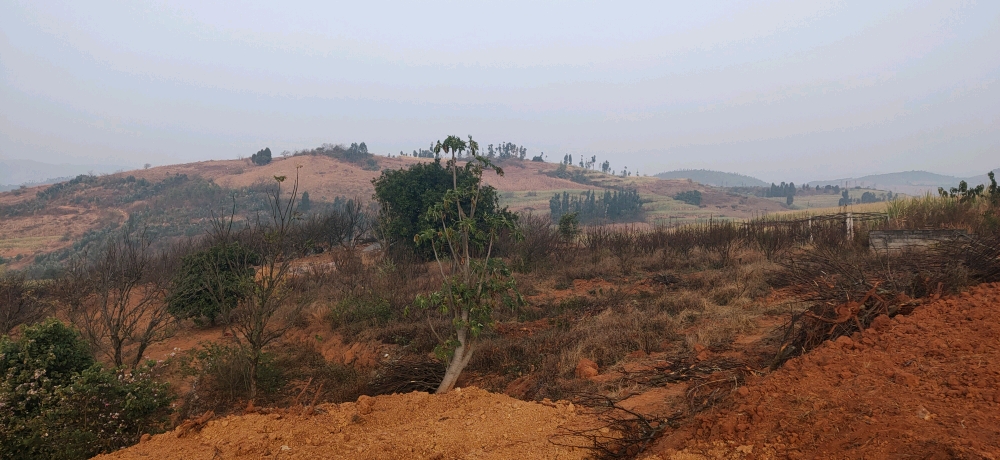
845 198
262 157
569 226
304 204
356 153
692 197
467 222
783 190
226 375
612 206
211 282
406 194
506 151
56 402
964 193
358 312
577 175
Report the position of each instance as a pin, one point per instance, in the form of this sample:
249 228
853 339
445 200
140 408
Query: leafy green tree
209 282
57 402
569 226
468 222
613 206
304 203
262 157
406 194
845 199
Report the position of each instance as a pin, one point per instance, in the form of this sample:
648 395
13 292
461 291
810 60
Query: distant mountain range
714 178
14 173
909 182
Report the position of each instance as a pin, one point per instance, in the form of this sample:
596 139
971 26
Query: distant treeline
356 153
866 197
501 151
612 206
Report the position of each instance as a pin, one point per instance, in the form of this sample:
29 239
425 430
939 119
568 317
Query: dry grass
718 326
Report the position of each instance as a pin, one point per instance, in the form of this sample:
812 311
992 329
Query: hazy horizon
774 90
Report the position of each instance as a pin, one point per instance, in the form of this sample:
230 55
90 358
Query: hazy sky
783 90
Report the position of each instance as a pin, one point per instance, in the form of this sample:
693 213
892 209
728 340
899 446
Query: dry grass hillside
766 338
43 227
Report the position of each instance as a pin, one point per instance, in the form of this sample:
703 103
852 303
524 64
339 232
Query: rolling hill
909 182
14 173
714 178
45 223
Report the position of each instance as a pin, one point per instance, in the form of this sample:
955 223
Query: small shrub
539 244
675 303
224 376
610 335
718 326
692 197
357 313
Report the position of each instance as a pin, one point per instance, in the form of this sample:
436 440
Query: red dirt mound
919 386
466 423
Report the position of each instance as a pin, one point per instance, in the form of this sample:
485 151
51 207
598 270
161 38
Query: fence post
810 229
850 226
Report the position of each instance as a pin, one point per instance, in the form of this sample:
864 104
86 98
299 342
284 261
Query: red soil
466 423
920 386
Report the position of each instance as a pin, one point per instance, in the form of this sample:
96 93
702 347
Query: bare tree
19 303
269 303
117 298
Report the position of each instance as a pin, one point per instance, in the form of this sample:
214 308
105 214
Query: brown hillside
524 187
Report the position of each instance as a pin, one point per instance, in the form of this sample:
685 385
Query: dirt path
921 386
469 423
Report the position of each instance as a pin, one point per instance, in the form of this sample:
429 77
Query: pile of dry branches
407 374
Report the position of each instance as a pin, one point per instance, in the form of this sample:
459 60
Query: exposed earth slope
466 423
917 386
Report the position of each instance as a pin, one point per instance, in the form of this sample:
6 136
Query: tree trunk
458 362
254 361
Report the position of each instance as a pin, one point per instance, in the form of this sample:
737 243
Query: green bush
262 157
692 197
357 313
406 194
57 402
225 376
211 282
